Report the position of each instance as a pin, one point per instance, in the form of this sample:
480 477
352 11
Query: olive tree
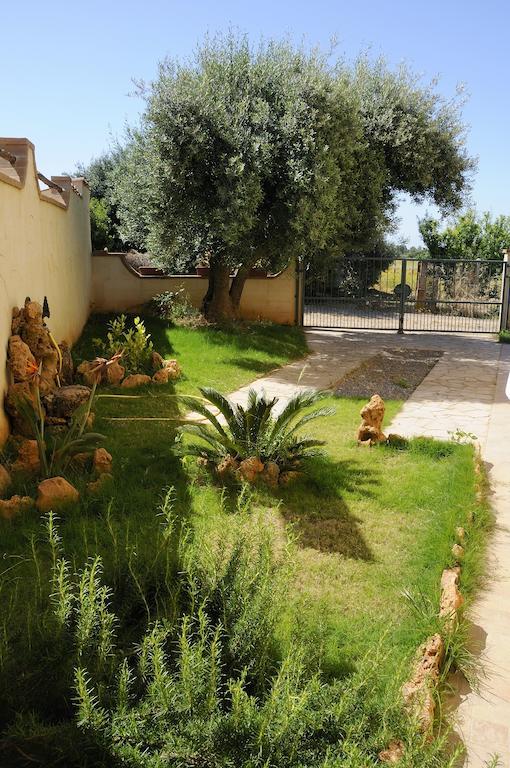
245 155
250 156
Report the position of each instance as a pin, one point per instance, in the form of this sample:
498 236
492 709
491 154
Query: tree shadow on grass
251 364
316 507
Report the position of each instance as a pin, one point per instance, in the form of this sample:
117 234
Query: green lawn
368 525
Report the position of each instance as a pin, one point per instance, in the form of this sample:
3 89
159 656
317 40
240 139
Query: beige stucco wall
116 287
44 249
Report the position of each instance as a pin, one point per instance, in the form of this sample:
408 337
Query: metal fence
406 295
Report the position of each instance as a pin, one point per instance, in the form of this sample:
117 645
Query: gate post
402 304
300 293
505 293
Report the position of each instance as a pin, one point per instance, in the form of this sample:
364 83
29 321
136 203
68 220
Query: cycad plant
253 433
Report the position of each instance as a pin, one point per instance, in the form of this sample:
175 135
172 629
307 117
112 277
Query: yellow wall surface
116 287
44 249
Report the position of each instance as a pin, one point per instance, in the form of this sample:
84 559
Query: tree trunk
222 300
237 286
217 302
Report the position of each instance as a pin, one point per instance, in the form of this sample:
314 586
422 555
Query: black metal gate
464 296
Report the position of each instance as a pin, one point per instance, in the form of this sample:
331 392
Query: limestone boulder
86 371
451 600
173 368
49 371
103 482
27 460
250 469
33 330
372 414
102 462
135 380
66 374
15 506
271 474
54 493
418 692
115 372
286 478
162 376
227 467
156 361
21 360
64 401
393 752
19 391
5 480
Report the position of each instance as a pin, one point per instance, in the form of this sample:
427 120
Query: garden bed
393 373
367 526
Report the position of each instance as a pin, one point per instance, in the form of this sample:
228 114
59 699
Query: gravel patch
393 374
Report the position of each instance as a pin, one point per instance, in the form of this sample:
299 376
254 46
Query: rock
397 441
34 332
162 376
49 372
55 492
17 319
135 380
64 401
418 693
286 478
67 366
5 480
460 533
16 392
98 486
271 474
102 462
82 460
156 361
85 370
20 358
28 460
393 753
227 467
173 368
451 599
458 552
14 506
250 469
115 372
372 414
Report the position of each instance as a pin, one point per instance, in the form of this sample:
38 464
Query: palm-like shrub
238 434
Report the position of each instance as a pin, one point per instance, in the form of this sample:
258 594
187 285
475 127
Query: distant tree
470 236
104 221
251 156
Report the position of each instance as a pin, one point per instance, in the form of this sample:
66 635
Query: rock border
419 692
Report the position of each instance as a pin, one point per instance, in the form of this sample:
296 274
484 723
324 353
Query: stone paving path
464 392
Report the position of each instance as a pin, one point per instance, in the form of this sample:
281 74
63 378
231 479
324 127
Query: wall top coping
121 255
14 162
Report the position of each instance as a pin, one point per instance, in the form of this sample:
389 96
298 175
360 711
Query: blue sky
67 67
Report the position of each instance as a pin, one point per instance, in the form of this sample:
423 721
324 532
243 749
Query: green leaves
243 432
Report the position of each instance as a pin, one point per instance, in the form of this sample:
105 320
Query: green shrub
504 337
252 431
175 307
134 343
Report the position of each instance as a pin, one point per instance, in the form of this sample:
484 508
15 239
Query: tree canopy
470 236
255 155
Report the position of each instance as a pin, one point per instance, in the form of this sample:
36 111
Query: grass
368 524
504 337
220 357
